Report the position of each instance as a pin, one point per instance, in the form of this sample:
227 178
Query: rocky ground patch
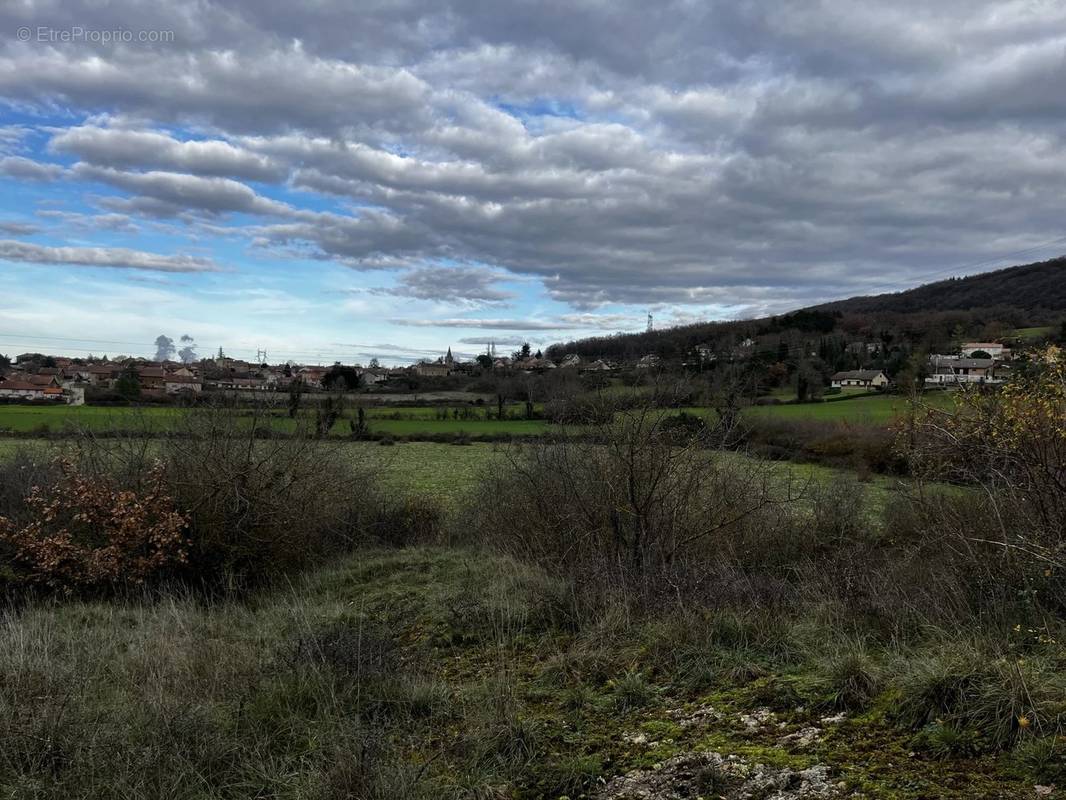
696 775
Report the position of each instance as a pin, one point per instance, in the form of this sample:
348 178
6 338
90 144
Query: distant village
39 377
35 377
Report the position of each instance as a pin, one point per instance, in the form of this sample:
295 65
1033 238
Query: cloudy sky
336 180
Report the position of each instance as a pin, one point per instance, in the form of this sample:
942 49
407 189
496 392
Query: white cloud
116 257
125 149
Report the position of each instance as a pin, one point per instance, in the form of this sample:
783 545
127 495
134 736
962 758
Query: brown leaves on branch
89 535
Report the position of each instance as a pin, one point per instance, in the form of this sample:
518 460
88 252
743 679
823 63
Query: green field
873 409
444 471
449 471
475 648
396 422
28 419
424 427
1033 333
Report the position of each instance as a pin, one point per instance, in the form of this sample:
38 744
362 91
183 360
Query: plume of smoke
187 354
164 348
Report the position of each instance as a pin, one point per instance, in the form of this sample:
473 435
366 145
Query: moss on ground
583 733
409 674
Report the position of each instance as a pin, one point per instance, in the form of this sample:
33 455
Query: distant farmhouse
952 370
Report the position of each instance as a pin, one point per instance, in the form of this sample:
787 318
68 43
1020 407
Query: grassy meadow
872 409
414 421
411 421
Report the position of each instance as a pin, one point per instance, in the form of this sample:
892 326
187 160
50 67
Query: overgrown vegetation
599 604
244 505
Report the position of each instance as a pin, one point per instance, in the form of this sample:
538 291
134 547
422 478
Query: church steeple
448 358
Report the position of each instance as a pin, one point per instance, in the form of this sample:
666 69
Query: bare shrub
833 443
633 505
258 504
19 474
578 410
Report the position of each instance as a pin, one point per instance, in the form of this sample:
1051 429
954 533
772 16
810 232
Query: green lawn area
26 419
876 409
1033 333
420 427
444 471
412 421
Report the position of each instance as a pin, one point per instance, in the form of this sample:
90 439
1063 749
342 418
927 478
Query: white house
862 378
994 349
23 390
371 377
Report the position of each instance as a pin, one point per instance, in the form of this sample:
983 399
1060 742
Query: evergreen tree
129 385
296 390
